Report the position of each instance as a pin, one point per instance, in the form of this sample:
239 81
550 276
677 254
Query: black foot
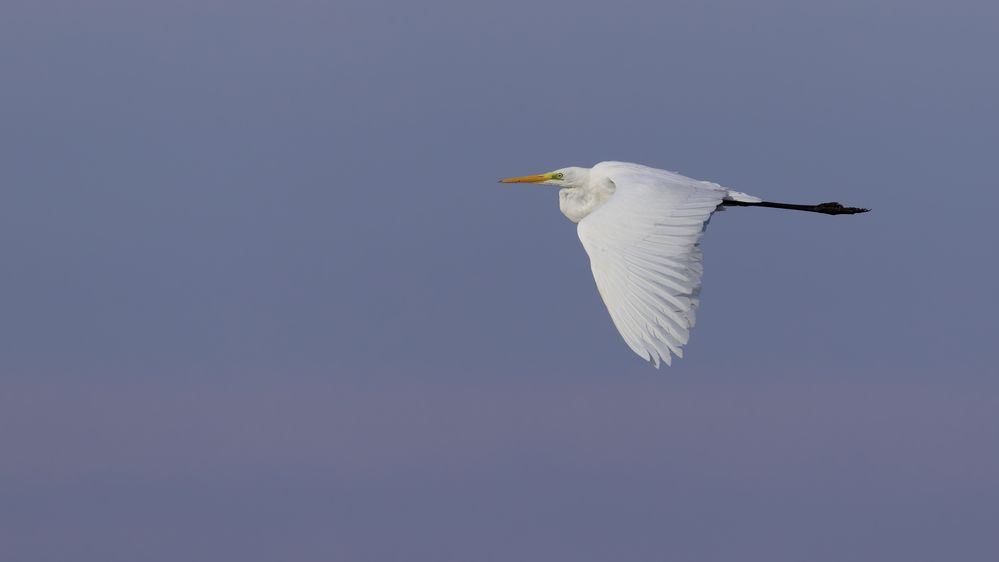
834 208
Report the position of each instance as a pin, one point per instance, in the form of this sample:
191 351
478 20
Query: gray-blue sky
262 296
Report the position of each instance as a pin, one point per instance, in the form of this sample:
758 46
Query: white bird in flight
641 226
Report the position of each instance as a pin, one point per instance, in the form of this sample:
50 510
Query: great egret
641 226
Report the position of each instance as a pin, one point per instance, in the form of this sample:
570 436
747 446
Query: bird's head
564 177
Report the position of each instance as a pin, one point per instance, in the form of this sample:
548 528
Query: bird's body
640 227
594 186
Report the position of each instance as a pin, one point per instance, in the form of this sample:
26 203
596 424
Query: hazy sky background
262 298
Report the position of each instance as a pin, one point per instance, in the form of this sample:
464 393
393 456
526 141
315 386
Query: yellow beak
528 179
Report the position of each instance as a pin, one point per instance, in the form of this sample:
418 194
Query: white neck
585 196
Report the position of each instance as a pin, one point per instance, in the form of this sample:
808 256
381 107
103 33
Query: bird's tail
743 197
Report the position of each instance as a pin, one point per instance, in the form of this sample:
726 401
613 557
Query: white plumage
643 248
640 227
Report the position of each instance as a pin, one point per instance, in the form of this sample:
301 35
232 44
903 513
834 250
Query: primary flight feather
641 227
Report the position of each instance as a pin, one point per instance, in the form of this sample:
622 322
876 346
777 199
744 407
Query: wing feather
644 254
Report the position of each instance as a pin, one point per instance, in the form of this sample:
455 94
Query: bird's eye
558 176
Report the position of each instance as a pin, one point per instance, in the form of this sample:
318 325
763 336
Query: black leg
831 208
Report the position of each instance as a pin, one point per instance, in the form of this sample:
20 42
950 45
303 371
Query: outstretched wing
643 248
